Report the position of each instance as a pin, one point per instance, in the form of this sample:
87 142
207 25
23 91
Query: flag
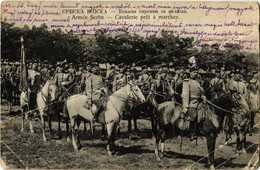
23 72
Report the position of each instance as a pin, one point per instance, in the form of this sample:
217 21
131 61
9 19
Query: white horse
26 114
110 117
44 97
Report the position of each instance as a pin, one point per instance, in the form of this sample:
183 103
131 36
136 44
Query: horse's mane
224 100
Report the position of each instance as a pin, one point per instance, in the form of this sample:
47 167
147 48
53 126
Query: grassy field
26 150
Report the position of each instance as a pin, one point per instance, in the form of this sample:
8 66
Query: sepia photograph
130 85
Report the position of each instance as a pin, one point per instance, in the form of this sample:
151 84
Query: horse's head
239 103
52 91
135 92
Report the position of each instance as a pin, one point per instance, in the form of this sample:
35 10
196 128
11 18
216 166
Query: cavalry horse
168 115
110 117
9 86
236 119
145 110
26 113
253 102
45 97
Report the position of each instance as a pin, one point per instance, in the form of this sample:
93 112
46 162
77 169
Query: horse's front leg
244 143
30 122
110 127
49 123
43 127
103 136
163 138
73 131
158 137
135 123
238 140
23 119
129 127
67 129
211 142
59 128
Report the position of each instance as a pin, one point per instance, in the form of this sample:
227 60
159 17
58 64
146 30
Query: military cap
95 69
34 66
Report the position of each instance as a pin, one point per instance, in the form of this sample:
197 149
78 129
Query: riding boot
96 115
192 130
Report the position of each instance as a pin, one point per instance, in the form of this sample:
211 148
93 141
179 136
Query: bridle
235 102
45 97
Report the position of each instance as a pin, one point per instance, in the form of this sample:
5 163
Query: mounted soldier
237 88
45 72
191 96
237 85
118 78
144 81
34 78
162 87
217 85
85 73
63 77
72 70
94 92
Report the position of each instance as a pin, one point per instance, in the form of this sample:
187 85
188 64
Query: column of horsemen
162 80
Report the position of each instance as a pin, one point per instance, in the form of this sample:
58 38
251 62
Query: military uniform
34 78
72 70
217 86
62 78
45 72
254 84
94 92
119 80
237 85
33 74
191 94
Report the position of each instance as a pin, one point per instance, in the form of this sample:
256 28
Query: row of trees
120 47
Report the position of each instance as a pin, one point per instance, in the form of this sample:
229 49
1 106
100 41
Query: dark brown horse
9 88
168 116
236 109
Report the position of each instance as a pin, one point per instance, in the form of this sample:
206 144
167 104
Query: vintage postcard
129 85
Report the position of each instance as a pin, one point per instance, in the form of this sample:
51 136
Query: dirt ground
26 150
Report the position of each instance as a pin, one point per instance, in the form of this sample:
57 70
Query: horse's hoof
239 151
45 140
243 150
211 167
162 155
109 153
158 158
32 132
22 130
68 139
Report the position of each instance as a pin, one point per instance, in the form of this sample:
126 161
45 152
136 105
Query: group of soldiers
91 78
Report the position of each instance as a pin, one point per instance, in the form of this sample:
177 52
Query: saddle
203 112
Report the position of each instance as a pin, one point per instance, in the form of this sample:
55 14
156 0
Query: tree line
41 43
